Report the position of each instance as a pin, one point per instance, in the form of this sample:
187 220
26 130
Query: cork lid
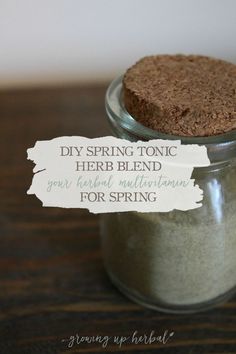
185 95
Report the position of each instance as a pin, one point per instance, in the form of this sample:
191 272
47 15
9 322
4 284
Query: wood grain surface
52 281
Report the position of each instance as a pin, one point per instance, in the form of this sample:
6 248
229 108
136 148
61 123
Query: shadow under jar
180 261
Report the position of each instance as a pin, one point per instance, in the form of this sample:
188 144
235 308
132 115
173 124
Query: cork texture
185 95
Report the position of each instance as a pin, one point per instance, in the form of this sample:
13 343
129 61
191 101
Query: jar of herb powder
180 261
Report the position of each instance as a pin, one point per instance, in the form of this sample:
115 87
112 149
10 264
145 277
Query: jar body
180 261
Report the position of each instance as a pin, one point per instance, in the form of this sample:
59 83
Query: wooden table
52 281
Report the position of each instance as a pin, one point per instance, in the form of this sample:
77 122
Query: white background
57 41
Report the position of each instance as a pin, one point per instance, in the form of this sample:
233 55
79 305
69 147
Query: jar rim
118 115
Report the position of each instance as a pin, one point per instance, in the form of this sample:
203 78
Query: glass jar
180 261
